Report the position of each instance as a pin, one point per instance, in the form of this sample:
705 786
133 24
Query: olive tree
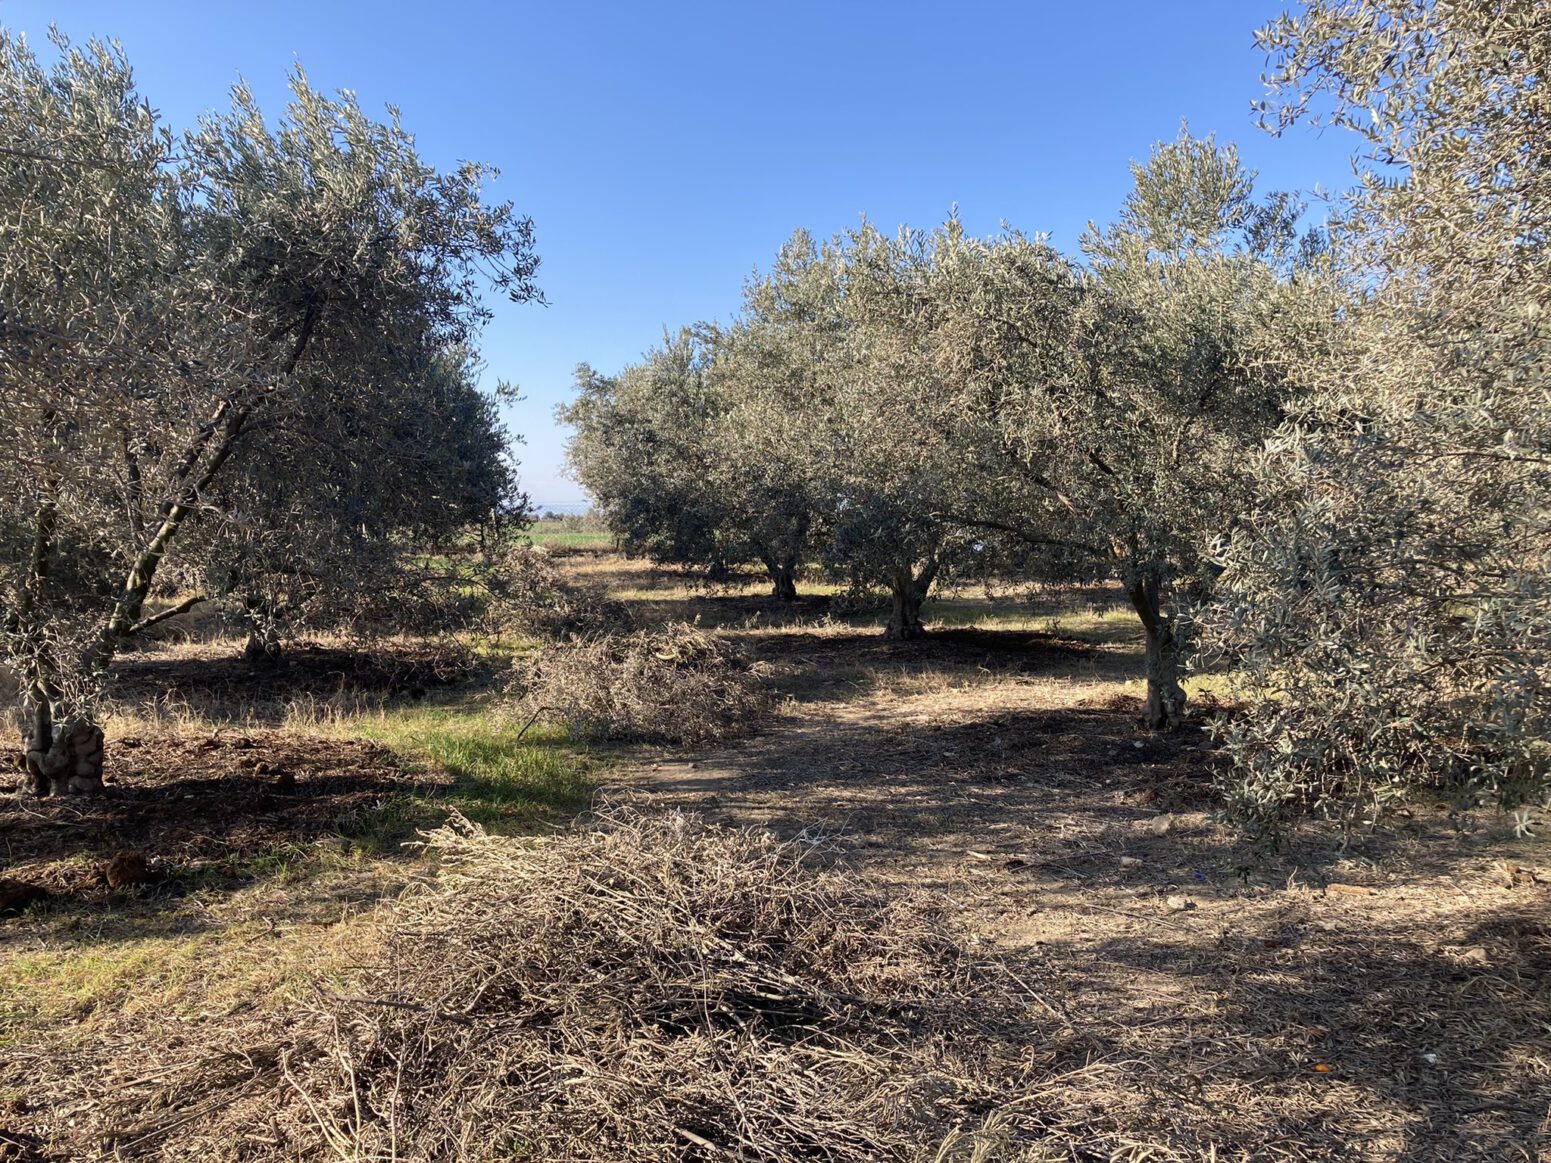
690 455
337 519
171 303
1205 301
1110 412
769 495
869 414
1389 599
644 446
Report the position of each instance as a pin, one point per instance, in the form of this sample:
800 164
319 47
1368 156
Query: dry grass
1385 1000
674 684
648 988
537 598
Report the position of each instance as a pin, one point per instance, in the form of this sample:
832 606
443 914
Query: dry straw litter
651 987
675 684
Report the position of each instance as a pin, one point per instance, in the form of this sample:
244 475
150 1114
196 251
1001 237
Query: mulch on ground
196 806
306 670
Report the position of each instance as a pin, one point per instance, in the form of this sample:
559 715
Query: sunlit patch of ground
1377 997
1383 997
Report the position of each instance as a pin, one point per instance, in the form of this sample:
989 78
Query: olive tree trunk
56 758
262 649
783 577
68 756
62 759
781 553
908 590
1165 709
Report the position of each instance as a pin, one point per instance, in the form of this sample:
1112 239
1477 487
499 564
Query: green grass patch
569 538
500 781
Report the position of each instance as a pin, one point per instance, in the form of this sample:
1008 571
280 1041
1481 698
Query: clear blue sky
665 149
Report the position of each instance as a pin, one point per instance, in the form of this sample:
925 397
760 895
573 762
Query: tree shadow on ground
881 775
1425 1038
200 810
196 815
215 683
957 646
828 664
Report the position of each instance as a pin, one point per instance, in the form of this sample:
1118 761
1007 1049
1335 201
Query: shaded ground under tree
1383 1000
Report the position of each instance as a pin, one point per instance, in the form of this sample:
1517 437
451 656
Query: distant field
546 534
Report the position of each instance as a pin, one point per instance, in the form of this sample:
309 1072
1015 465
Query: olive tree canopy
644 445
870 421
1389 599
1108 413
175 306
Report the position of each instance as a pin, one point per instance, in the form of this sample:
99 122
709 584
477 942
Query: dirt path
1391 1002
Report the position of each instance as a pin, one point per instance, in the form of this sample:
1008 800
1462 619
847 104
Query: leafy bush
1390 600
1392 626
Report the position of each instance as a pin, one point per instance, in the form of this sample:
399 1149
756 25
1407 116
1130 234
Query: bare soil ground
213 781
1384 999
194 809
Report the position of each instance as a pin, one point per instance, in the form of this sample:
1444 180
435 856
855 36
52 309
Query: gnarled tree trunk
1165 709
66 757
262 648
783 577
908 590
784 583
778 542
62 759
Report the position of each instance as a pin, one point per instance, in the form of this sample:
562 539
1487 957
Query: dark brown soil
196 807
217 674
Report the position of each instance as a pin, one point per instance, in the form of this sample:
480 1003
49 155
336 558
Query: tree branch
182 607
126 610
1486 454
